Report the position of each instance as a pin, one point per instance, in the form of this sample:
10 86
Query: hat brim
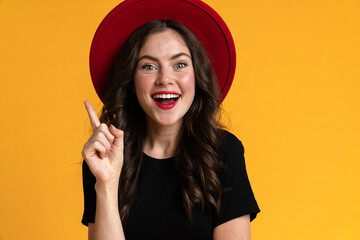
129 15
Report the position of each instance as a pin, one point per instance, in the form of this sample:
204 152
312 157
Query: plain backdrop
294 103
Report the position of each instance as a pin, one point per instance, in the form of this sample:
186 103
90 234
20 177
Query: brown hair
196 156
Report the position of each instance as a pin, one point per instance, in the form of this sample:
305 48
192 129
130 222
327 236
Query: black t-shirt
158 211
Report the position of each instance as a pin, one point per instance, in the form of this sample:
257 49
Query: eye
148 67
180 65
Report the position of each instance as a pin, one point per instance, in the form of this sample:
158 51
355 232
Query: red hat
129 15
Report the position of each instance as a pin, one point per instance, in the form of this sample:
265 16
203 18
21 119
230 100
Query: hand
103 152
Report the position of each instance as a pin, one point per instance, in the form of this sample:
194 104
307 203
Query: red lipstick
162 105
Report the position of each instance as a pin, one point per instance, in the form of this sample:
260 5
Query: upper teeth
166 96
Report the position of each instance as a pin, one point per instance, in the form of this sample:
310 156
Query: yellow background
294 104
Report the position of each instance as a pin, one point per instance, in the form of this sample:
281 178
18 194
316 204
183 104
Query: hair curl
196 155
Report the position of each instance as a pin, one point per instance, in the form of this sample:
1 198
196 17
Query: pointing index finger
94 120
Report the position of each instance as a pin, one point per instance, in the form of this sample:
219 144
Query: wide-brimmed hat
129 15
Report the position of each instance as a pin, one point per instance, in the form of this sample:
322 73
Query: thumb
119 136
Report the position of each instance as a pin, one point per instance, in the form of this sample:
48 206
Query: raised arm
103 153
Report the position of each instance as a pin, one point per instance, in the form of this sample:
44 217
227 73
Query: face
164 78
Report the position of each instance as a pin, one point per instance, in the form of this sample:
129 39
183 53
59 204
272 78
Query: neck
161 141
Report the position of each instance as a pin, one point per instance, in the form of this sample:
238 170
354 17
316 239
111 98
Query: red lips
162 105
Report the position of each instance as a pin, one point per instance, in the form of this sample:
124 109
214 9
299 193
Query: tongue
166 101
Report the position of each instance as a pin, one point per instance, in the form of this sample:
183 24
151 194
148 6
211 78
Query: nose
164 77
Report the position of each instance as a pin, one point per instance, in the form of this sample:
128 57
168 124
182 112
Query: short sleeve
238 198
89 195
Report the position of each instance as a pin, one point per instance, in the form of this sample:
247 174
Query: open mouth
166 98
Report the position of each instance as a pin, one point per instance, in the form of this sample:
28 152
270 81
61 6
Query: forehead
168 41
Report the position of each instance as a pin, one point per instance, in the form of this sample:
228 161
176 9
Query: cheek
142 85
188 83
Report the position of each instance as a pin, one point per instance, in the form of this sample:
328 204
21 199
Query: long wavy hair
197 152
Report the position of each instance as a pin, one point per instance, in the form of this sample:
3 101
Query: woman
174 174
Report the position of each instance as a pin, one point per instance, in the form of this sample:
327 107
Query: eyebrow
157 60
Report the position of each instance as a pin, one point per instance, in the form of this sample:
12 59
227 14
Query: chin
166 121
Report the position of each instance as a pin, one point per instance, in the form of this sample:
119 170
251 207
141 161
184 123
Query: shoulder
238 198
231 153
230 140
230 146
